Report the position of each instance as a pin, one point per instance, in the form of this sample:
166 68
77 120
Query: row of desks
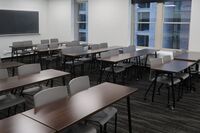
180 63
64 113
125 56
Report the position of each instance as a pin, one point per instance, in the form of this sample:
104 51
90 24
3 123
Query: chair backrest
66 50
166 58
114 52
94 46
132 48
18 44
43 46
27 43
45 41
54 40
29 69
75 43
77 49
105 54
129 49
155 62
53 45
103 45
50 95
79 84
3 73
179 52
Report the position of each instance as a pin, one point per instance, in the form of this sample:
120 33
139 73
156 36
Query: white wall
30 5
60 22
109 22
194 43
54 20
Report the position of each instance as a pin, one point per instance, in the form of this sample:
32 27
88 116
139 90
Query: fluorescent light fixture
170 5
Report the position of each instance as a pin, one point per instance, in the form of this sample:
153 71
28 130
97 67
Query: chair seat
167 80
33 90
76 62
125 65
117 69
80 128
50 58
103 116
10 100
85 59
183 75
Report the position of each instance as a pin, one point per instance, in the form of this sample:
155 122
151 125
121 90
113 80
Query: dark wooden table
74 56
92 51
189 56
174 66
125 56
21 81
23 48
66 112
10 65
22 124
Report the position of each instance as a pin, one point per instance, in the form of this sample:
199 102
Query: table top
20 81
146 51
125 56
173 66
22 124
23 46
92 51
5 65
189 56
49 49
66 112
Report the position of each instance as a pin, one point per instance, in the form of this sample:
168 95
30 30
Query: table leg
156 55
129 114
64 64
190 79
173 93
154 88
137 69
34 54
113 73
73 67
147 56
13 71
52 83
63 79
101 72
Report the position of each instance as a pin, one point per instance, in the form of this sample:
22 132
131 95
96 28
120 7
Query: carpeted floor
148 117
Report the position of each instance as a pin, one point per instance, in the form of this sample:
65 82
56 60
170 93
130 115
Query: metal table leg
129 114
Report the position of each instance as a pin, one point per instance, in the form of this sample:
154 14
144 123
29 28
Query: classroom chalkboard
18 22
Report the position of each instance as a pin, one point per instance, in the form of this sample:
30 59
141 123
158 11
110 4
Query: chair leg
105 128
145 96
8 112
116 123
52 83
160 88
179 91
15 109
24 104
101 129
168 98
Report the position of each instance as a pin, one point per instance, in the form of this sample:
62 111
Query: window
176 24
83 21
145 20
162 25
